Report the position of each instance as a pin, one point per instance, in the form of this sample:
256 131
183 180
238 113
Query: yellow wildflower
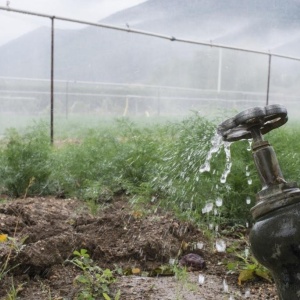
3 238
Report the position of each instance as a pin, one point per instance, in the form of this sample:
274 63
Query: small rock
192 260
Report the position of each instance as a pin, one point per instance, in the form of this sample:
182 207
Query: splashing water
248 200
247 251
247 293
201 279
207 208
247 171
225 286
199 245
219 202
228 162
249 181
220 245
216 146
217 142
250 145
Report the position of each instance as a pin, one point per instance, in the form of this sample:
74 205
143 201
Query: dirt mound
44 232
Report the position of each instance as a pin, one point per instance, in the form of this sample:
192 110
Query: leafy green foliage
187 190
285 141
159 163
105 162
94 282
24 162
245 264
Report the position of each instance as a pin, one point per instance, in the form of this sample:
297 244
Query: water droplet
249 145
247 173
220 245
201 279
207 208
246 252
219 202
247 293
225 286
249 181
199 245
228 162
216 142
248 200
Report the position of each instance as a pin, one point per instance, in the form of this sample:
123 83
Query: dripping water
228 162
216 146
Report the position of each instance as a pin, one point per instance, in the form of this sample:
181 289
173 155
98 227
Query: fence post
67 99
220 70
52 81
269 79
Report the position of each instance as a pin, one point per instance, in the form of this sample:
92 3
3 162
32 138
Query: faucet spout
275 236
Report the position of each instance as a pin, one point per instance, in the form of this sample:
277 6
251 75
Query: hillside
97 54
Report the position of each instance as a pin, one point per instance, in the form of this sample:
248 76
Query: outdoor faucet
275 236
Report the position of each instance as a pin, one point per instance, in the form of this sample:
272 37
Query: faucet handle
264 119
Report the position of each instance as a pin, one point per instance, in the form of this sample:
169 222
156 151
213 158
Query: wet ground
44 232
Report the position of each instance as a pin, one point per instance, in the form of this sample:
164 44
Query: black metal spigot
275 236
252 124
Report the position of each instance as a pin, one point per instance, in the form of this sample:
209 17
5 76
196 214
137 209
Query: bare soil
46 231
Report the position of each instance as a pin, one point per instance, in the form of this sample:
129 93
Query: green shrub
286 144
187 190
159 163
24 165
104 162
85 169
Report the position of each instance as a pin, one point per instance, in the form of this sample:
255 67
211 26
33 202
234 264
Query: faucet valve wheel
264 119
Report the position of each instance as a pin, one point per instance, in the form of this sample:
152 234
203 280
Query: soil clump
44 232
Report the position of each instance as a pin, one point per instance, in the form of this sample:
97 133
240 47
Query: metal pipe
269 77
52 83
147 33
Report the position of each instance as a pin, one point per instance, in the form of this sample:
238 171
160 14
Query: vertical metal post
269 79
67 99
52 81
220 71
158 102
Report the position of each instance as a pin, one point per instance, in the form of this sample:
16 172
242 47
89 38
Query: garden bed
43 233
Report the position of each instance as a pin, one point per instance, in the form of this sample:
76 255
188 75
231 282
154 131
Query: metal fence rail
28 94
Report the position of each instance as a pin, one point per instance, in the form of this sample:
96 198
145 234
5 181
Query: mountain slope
107 55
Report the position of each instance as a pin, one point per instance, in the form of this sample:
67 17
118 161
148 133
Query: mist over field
210 78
